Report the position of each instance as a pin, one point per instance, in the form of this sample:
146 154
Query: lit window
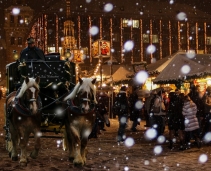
145 38
26 20
135 23
208 40
51 49
129 23
125 23
155 38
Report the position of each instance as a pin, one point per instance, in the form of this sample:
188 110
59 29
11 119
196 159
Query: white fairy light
15 11
161 139
158 149
185 69
128 46
203 158
141 77
108 7
139 104
129 142
151 49
150 133
181 16
94 30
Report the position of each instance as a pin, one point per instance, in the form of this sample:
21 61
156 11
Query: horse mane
25 86
87 83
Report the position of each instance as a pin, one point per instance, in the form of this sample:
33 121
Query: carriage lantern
68 54
15 55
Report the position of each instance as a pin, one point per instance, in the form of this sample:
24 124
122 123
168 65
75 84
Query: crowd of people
185 117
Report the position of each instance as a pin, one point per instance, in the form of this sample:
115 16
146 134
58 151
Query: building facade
154 29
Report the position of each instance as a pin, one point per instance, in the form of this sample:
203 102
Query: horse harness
20 107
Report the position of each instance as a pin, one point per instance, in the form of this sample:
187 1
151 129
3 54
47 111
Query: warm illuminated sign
101 48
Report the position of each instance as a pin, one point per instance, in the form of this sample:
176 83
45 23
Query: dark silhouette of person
31 52
121 102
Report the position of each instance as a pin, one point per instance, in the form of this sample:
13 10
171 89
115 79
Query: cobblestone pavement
105 154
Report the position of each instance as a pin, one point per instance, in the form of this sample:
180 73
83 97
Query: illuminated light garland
160 41
111 36
46 34
79 31
131 37
141 41
121 40
188 34
197 37
90 40
100 28
170 39
57 34
151 56
179 35
205 37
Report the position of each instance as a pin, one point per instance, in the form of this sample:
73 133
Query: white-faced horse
80 119
23 117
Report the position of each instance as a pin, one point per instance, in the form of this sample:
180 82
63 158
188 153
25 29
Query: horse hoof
78 164
71 159
15 158
23 164
33 156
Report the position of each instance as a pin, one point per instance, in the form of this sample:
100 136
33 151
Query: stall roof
158 66
175 70
121 74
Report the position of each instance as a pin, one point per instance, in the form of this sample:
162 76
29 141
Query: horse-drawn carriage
43 96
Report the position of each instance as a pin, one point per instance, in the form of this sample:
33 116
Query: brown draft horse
80 119
23 117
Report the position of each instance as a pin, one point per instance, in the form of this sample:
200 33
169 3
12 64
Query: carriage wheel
8 141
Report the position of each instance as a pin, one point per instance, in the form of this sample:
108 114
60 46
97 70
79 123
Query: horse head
28 94
85 92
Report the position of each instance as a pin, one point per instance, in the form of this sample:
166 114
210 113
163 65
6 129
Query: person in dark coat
101 114
122 107
134 109
207 110
175 118
31 52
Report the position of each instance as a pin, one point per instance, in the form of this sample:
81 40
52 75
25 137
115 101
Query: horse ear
26 80
80 80
37 80
93 81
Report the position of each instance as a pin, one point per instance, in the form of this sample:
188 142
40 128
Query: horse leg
24 137
14 137
78 161
84 150
37 145
65 141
